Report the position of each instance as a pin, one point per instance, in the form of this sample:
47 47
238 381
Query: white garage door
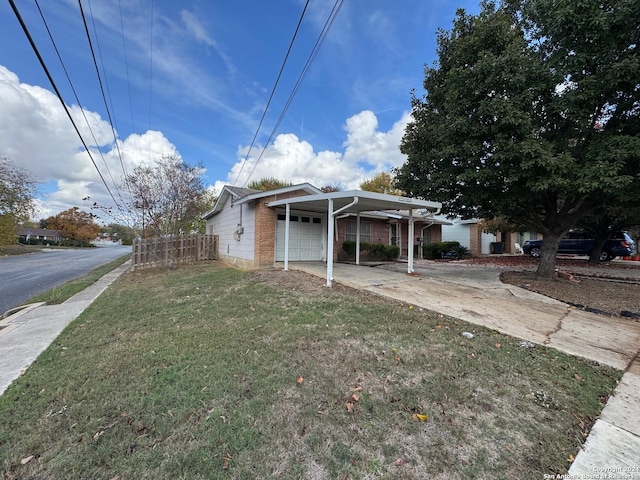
305 237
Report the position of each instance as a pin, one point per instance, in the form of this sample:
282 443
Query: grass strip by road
207 372
67 290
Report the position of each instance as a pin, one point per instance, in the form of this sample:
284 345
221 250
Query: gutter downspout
433 214
330 233
422 236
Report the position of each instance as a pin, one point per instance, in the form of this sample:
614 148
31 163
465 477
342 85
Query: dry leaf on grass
26 460
419 417
225 461
300 380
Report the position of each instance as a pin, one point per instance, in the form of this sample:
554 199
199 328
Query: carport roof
366 202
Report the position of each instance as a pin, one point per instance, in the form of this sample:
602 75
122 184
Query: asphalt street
23 276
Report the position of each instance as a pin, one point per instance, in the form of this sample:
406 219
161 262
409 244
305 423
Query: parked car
579 242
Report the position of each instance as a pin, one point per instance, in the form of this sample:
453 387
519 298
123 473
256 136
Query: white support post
330 228
410 242
286 236
358 239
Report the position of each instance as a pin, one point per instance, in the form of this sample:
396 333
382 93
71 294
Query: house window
394 235
365 231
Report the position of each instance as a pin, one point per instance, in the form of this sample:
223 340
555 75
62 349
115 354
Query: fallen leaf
26 460
578 377
355 397
225 461
349 406
419 417
400 462
571 458
98 434
398 359
300 380
498 345
357 389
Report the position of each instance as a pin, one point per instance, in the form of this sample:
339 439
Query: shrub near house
373 251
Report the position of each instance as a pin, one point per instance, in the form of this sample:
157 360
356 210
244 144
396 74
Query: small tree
17 203
383 182
168 196
77 227
120 232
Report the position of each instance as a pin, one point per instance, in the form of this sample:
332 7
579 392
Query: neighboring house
470 234
43 235
253 230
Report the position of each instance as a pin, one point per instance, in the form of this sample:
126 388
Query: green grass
67 290
21 249
207 372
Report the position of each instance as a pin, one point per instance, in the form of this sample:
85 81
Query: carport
337 204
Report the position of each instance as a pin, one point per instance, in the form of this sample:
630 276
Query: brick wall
265 237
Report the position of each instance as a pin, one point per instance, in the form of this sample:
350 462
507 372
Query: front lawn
208 372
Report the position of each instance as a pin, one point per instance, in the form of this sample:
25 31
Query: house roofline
248 195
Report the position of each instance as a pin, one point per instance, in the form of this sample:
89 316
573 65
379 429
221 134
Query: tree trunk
547 266
597 249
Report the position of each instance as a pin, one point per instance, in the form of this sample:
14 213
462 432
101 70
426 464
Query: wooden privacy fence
173 249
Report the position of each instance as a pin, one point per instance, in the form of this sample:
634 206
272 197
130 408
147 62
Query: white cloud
367 151
37 135
365 143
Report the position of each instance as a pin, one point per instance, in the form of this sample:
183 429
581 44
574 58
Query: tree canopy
17 198
383 182
77 226
268 183
531 114
169 196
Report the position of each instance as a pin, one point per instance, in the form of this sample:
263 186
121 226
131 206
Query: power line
273 90
58 94
314 52
112 122
75 93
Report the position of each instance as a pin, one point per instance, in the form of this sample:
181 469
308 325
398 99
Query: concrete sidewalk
476 295
28 332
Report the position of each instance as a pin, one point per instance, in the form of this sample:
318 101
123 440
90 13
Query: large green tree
532 113
17 193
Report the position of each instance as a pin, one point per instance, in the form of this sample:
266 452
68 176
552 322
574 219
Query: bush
375 251
434 251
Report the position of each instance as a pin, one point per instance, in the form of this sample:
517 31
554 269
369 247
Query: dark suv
578 242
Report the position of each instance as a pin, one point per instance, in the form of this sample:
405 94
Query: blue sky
193 78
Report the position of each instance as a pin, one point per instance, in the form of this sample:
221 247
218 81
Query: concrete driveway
475 294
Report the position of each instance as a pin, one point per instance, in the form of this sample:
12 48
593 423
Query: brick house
42 235
256 229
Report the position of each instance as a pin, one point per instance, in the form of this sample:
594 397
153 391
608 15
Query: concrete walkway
475 294
28 332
